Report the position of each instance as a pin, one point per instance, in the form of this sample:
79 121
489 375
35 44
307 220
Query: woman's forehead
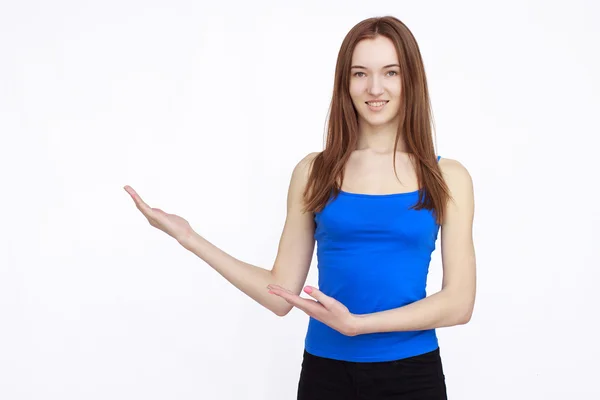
374 53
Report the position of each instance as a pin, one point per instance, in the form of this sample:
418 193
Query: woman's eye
390 72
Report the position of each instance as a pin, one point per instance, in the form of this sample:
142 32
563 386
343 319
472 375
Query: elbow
282 312
464 315
464 320
463 308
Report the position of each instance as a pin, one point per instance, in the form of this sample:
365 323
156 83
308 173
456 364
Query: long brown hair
415 128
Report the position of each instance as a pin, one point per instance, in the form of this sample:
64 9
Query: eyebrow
387 66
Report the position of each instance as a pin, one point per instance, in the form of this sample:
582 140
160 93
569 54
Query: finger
280 288
310 307
140 204
286 295
302 302
319 296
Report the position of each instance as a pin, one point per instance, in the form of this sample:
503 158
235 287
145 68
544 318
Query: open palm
171 224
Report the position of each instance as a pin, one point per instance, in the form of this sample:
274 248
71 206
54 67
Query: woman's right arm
294 253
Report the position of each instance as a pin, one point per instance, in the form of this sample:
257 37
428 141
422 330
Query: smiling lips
376 105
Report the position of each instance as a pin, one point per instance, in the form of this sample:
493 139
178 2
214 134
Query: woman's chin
377 120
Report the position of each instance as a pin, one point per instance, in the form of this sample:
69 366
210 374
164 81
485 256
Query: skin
368 171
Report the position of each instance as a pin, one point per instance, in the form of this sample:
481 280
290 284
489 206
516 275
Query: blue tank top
373 254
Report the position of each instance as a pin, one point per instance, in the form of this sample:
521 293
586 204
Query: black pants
419 377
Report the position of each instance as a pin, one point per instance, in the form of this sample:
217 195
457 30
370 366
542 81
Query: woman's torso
373 254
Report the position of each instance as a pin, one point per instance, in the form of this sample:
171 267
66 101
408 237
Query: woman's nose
375 88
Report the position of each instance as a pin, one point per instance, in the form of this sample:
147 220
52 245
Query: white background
205 109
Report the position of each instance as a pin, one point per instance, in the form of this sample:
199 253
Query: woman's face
375 76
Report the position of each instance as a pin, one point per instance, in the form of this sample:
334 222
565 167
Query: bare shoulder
308 159
302 168
299 180
460 183
453 168
455 173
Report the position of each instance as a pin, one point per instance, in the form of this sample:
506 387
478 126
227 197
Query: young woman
374 200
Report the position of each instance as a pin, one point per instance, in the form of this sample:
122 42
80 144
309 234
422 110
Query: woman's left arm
453 304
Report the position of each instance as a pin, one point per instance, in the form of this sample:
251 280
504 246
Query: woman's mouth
376 105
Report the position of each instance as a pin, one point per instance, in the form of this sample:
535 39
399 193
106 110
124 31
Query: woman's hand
173 225
325 309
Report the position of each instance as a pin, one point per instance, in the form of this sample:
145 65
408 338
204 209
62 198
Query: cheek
396 90
356 88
